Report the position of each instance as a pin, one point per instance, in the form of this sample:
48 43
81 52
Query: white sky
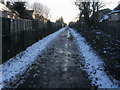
67 9
58 8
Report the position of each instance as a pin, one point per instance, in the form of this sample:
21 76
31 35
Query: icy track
93 64
18 64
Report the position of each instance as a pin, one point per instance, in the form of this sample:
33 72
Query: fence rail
18 34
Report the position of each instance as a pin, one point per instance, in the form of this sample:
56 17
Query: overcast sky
67 9
58 8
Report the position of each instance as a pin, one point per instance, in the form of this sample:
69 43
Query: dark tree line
60 22
20 7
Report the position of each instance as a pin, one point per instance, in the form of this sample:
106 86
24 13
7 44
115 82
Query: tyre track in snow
57 67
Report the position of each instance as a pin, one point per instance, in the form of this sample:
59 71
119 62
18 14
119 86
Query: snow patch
114 11
105 17
17 65
4 8
94 66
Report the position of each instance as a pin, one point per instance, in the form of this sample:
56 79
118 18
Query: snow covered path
93 64
16 66
58 67
61 60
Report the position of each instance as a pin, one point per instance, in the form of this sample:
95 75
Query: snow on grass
17 65
93 64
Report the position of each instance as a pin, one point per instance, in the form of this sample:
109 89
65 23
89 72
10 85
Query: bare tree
84 7
96 6
88 8
46 11
40 10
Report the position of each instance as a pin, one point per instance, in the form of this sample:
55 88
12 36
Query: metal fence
18 34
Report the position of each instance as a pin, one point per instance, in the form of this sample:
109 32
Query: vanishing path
57 67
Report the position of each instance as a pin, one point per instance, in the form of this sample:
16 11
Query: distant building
4 11
114 15
117 8
7 11
38 17
100 14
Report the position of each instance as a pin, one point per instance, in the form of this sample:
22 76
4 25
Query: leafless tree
40 10
84 7
88 7
96 6
46 11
